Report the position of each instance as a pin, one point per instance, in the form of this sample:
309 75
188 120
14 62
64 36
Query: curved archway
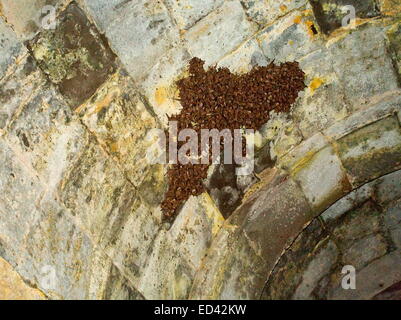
307 181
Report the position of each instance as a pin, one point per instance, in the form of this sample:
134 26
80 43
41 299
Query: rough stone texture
74 56
120 121
219 33
10 47
79 197
12 287
325 167
188 12
264 12
28 17
362 152
151 34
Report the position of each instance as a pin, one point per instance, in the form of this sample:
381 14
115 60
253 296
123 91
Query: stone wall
79 200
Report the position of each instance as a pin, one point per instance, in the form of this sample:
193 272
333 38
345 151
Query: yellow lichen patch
390 7
315 84
160 95
213 213
309 24
283 7
298 19
291 42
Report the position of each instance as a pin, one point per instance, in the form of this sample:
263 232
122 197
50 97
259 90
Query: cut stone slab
370 280
388 188
275 210
371 151
129 236
119 288
120 120
219 33
364 251
151 34
394 38
194 228
392 218
57 255
95 190
290 39
47 136
10 47
319 267
74 56
155 282
369 68
323 179
231 270
17 89
13 287
21 191
26 17
265 12
244 58
186 13
330 13
159 86
104 12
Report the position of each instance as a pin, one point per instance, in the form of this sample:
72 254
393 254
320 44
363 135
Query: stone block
186 13
265 12
151 34
290 38
371 151
364 251
95 191
219 33
10 47
120 120
244 58
74 56
27 17
18 88
323 179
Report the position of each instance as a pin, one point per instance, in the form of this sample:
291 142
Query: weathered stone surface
151 34
18 88
357 224
371 151
12 287
129 237
120 121
95 190
231 270
390 8
290 39
370 280
394 38
386 105
244 58
277 210
392 218
364 251
330 13
225 28
323 179
388 187
21 190
349 202
104 12
47 137
119 288
195 227
186 13
10 47
156 283
362 63
74 56
159 86
317 269
56 255
265 12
